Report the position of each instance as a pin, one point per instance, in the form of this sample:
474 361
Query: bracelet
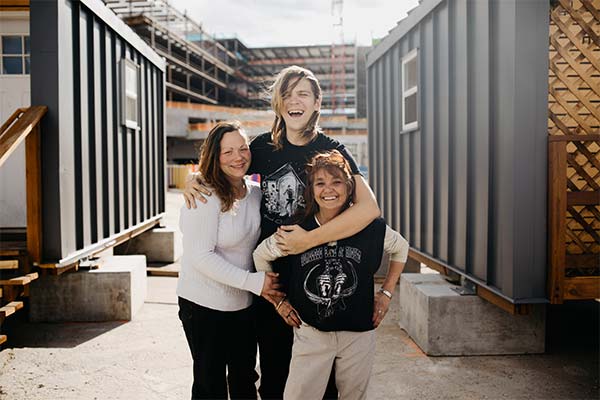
386 293
280 303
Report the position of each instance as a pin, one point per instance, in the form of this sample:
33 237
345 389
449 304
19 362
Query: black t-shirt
283 176
331 286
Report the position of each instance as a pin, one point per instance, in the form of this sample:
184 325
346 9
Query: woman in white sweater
216 281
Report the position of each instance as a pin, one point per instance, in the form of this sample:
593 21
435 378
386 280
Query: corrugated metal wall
99 177
468 187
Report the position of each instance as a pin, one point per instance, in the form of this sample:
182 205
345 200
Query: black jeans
275 340
220 340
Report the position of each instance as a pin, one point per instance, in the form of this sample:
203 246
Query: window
410 79
14 52
130 76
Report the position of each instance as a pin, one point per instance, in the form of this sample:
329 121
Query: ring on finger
380 311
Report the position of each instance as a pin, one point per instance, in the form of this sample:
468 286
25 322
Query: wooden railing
24 124
573 218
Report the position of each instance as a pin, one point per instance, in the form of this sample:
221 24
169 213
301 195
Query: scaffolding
200 68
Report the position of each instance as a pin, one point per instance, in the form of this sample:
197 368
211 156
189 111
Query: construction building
210 80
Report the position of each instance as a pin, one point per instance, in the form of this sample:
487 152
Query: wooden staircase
15 274
20 248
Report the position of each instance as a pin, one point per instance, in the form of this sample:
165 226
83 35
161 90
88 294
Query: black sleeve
353 167
347 155
256 149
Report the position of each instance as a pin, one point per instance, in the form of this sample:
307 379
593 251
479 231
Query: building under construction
203 69
209 80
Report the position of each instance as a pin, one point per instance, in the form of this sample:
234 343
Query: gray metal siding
99 177
468 186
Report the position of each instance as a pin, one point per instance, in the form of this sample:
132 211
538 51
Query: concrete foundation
158 245
114 292
444 323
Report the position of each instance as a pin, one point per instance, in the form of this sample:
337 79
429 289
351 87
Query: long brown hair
282 88
336 164
210 166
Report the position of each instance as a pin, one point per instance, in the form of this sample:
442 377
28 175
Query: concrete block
444 323
114 292
158 245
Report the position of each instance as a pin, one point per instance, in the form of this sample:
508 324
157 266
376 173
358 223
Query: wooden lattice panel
574 110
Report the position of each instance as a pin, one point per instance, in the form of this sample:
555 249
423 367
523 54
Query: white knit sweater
217 252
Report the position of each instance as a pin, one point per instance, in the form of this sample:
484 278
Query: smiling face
234 158
330 191
299 104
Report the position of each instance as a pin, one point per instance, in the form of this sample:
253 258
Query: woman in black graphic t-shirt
330 299
279 157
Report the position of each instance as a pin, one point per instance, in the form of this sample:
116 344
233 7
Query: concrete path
148 358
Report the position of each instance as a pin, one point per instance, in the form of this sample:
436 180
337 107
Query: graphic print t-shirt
331 286
283 176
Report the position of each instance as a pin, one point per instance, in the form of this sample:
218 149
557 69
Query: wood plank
571 112
54 269
14 115
579 19
592 9
582 260
557 212
573 88
582 288
10 308
565 30
2 339
588 198
563 55
514 309
9 252
581 221
16 133
18 281
33 173
1 293
9 264
428 261
33 276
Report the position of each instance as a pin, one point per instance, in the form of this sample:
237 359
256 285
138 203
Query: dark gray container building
457 110
103 138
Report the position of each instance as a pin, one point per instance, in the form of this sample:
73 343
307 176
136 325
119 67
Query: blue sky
286 23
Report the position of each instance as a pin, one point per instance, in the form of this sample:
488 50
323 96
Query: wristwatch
386 293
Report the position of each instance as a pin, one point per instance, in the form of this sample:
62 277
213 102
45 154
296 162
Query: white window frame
126 94
412 55
23 55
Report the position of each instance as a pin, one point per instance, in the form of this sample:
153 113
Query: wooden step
10 309
0 293
2 339
9 264
20 280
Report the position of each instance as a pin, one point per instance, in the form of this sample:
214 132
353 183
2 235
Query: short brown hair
336 164
210 166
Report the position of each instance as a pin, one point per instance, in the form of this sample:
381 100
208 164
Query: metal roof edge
403 27
122 29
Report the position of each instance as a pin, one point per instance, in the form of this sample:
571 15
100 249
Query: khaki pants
313 355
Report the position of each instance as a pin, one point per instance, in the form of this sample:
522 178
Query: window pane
27 61
12 45
410 76
12 65
26 44
410 109
131 109
131 78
